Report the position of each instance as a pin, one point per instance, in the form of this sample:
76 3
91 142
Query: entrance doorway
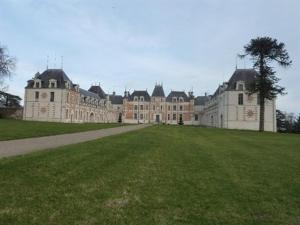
157 119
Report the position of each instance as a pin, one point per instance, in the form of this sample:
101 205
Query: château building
51 96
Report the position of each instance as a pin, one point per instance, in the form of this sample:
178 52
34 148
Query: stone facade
232 107
51 96
141 108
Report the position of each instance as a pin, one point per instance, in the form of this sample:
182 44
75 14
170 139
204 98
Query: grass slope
16 129
159 175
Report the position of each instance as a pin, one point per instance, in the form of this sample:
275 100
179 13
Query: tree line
287 122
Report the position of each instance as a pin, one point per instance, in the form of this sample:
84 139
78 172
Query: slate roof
88 93
58 74
116 99
139 94
200 100
158 91
177 94
246 75
98 90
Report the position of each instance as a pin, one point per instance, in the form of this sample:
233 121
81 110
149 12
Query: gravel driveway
23 146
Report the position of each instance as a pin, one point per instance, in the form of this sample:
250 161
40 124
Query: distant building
51 96
232 107
140 107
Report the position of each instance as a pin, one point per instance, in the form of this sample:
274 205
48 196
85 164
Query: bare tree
7 65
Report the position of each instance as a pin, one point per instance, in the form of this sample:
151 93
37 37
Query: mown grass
16 129
159 175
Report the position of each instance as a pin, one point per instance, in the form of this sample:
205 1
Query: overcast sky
184 44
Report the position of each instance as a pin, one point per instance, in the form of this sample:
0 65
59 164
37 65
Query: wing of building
51 96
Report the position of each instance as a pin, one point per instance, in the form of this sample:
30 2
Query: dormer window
174 99
67 84
240 86
37 83
181 99
135 98
52 83
141 98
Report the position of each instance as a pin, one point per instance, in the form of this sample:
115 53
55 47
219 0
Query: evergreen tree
264 51
281 121
297 125
120 118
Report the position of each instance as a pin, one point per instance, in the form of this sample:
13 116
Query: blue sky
184 44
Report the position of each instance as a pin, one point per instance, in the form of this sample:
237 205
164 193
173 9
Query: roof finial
62 62
54 60
236 61
47 61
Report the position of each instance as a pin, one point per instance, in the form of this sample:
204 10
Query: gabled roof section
177 94
57 74
200 100
158 91
246 75
97 90
145 94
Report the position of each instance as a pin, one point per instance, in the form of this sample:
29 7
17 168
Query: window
174 107
258 99
196 117
161 107
168 116
174 99
135 98
174 116
37 95
52 85
67 113
135 107
135 116
169 108
180 108
142 99
240 87
146 107
37 84
141 116
154 107
51 96
181 99
241 98
141 107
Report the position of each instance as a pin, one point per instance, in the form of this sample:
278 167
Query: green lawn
159 175
16 129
